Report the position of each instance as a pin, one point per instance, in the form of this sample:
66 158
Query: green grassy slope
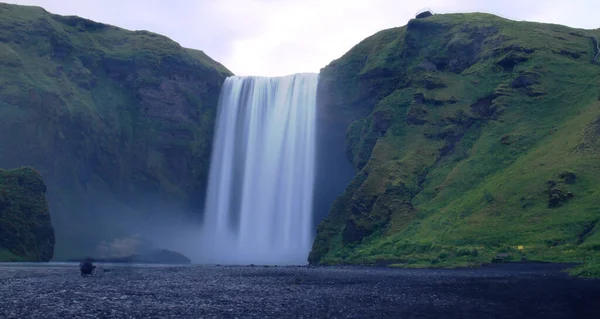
472 135
109 117
25 223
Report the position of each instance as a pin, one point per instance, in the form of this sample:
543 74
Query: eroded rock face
114 120
26 232
557 192
557 196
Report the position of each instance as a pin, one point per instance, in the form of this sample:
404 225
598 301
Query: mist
99 223
108 227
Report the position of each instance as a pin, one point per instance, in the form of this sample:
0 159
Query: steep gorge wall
115 120
465 130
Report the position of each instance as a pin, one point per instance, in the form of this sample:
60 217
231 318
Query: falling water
260 188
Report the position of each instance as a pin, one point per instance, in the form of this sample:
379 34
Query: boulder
424 14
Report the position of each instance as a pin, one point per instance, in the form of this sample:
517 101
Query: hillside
471 135
115 120
25 223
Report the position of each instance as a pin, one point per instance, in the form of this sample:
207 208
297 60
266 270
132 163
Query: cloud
278 37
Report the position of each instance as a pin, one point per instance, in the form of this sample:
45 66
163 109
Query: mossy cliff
109 117
471 135
26 232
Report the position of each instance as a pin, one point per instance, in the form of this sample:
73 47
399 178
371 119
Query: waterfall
259 198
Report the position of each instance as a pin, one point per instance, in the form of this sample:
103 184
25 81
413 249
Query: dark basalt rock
418 98
567 53
424 14
506 139
524 80
431 83
568 177
511 60
382 119
557 197
416 114
353 232
86 268
485 108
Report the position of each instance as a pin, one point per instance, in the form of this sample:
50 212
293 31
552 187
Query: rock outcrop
26 232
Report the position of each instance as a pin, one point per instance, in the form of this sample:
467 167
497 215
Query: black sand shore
498 291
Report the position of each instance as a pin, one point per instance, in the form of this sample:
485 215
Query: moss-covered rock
26 232
457 122
113 119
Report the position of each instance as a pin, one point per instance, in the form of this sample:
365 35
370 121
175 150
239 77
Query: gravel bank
505 291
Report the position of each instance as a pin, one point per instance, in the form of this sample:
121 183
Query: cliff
471 135
113 119
26 232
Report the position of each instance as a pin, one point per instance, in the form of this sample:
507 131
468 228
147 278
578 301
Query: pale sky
279 37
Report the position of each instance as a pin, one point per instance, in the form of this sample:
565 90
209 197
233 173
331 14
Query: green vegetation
589 267
111 118
472 135
25 224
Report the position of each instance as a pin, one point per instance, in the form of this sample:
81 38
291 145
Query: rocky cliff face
111 118
472 135
25 223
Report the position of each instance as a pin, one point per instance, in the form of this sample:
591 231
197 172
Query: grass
7 256
25 223
124 116
589 267
509 107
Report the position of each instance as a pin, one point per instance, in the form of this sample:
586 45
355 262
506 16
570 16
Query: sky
280 37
